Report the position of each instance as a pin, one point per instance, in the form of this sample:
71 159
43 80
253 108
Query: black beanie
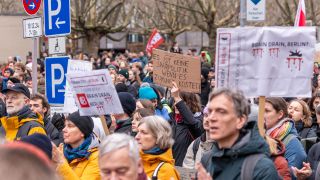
128 103
84 123
205 72
40 141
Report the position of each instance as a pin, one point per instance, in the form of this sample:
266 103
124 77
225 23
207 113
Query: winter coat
82 168
227 163
280 162
205 91
54 135
12 124
205 145
185 131
314 158
167 170
305 132
124 126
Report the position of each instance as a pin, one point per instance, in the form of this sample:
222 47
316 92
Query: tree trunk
212 44
91 43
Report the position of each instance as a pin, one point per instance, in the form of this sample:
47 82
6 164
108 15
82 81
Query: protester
123 76
77 158
149 73
119 158
21 121
124 120
144 103
188 122
282 128
155 142
138 70
235 141
137 116
205 86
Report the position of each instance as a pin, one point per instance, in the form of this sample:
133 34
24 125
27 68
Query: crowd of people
162 129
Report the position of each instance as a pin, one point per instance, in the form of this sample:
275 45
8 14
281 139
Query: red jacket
280 162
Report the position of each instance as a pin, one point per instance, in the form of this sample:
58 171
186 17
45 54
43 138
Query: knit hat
112 67
205 72
124 73
128 103
40 141
84 123
147 93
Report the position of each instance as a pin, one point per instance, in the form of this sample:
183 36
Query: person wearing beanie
205 86
112 69
40 141
123 77
77 158
124 121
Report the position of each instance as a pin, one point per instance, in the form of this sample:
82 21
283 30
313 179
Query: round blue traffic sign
31 6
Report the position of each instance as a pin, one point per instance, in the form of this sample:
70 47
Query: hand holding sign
175 92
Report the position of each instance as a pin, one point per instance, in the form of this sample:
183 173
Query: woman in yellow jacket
155 141
77 158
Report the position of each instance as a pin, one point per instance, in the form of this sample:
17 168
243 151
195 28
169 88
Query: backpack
155 172
24 129
195 147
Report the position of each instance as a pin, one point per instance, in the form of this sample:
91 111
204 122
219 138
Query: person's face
316 102
11 65
150 67
271 116
211 74
18 70
295 111
131 75
205 122
139 105
121 78
118 165
6 73
112 71
135 121
72 134
36 106
15 102
145 138
224 125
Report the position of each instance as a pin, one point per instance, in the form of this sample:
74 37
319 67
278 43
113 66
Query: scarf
78 152
155 151
281 130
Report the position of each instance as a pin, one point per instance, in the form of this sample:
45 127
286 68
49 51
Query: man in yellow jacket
21 121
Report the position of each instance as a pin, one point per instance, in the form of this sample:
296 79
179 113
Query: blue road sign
55 72
57 17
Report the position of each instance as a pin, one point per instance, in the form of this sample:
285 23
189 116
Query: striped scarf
281 130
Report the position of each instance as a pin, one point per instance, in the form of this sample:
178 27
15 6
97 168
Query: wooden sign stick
104 125
262 102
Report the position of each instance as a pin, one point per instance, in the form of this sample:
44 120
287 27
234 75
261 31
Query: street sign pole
35 55
243 13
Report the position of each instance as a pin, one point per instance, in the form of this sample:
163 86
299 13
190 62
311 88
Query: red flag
301 14
154 41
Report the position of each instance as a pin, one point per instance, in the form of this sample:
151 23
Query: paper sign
95 93
256 10
74 66
266 61
183 69
32 27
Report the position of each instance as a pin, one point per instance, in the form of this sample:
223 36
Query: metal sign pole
243 13
35 66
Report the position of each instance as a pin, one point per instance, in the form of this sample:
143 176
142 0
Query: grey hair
240 103
160 129
117 141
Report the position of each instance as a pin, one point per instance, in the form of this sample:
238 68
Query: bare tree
9 7
93 19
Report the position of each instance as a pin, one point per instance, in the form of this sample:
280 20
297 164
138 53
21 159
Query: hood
249 142
281 148
166 157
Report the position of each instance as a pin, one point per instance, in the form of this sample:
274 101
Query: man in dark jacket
123 76
39 104
235 139
205 86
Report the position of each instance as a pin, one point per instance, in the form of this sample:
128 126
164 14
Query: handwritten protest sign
74 66
95 93
266 61
183 69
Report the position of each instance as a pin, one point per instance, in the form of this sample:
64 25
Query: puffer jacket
167 170
226 163
184 131
82 168
12 124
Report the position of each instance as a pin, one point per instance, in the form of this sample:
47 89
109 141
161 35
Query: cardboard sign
183 69
95 93
266 61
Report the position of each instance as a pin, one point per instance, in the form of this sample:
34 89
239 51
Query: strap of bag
248 166
195 147
155 172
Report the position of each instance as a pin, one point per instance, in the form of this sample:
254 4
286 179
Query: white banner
266 61
74 66
95 93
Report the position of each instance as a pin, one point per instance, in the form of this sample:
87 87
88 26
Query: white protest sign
95 93
256 10
74 66
32 27
57 45
266 61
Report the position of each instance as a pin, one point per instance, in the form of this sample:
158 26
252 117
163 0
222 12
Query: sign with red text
183 69
266 61
94 93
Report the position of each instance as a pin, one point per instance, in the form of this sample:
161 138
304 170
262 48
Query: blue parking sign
55 73
57 17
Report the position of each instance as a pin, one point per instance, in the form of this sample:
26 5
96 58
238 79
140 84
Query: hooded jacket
12 124
82 168
227 163
280 162
167 170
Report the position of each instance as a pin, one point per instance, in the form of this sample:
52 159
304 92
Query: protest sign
183 69
266 61
95 93
74 66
